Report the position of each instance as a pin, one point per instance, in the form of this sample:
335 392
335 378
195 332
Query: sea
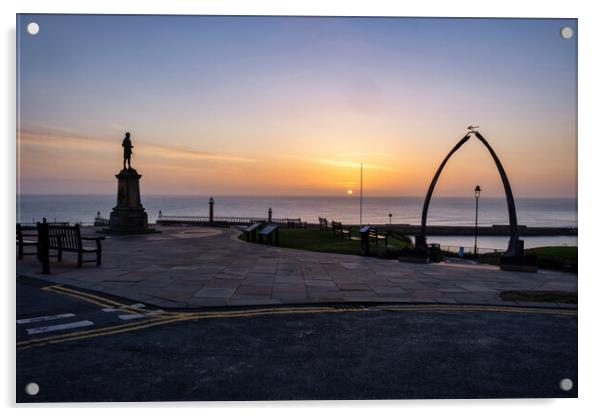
541 212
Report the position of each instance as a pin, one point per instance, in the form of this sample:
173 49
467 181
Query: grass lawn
563 252
552 257
325 241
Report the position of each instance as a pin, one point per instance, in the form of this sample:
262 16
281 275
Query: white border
589 204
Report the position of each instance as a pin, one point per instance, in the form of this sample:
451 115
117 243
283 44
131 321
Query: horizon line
298 196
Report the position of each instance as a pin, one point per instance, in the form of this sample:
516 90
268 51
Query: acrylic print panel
295 208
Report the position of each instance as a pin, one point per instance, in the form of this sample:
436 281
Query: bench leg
79 259
98 253
20 251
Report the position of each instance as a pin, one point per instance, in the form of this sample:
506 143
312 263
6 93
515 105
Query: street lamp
477 194
390 218
361 194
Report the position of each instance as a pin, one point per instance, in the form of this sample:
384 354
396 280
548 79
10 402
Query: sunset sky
291 105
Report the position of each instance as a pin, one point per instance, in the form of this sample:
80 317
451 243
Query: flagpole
361 193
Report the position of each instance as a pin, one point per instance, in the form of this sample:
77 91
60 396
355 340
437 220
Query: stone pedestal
526 263
128 216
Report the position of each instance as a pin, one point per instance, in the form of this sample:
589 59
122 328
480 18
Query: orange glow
78 164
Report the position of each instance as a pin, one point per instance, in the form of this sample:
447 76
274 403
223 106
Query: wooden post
44 246
211 202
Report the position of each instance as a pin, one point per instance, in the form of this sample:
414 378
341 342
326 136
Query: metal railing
470 250
100 221
163 219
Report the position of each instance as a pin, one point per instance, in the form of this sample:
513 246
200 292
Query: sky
292 105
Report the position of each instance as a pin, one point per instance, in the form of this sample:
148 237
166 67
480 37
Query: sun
349 192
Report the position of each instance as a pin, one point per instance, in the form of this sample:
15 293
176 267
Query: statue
127 151
128 216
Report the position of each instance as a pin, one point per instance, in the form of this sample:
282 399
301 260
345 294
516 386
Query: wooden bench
295 223
270 233
251 231
27 236
323 224
65 238
375 236
339 231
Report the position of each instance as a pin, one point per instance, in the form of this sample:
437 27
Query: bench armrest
93 238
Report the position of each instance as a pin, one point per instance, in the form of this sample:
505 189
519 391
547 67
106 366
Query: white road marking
44 318
110 310
138 305
62 327
131 316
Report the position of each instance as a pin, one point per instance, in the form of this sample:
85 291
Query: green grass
553 257
325 241
540 296
563 252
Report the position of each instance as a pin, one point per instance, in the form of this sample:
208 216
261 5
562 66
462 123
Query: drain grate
350 307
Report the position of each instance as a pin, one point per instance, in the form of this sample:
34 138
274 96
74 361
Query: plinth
128 216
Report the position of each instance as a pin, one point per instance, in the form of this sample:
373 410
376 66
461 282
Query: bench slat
268 229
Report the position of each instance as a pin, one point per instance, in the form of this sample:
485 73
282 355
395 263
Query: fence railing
33 223
100 221
470 250
163 219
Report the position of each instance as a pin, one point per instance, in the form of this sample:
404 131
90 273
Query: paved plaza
192 267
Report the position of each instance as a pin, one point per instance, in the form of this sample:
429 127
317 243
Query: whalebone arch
513 244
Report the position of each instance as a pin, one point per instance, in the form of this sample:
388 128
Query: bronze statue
127 151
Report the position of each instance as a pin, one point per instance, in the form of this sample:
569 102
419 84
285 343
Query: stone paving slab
188 267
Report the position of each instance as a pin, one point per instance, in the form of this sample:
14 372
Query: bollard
211 202
270 215
44 246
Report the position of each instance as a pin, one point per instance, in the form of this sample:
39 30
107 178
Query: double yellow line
162 317
479 308
96 300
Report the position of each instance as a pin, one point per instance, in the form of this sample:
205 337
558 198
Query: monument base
526 263
129 216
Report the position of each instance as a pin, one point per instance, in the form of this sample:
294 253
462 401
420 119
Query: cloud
341 163
89 144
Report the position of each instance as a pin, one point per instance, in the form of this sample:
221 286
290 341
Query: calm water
405 210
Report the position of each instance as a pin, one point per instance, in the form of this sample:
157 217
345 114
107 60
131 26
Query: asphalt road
320 354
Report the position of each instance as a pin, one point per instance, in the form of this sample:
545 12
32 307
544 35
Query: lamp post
390 218
361 194
477 194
